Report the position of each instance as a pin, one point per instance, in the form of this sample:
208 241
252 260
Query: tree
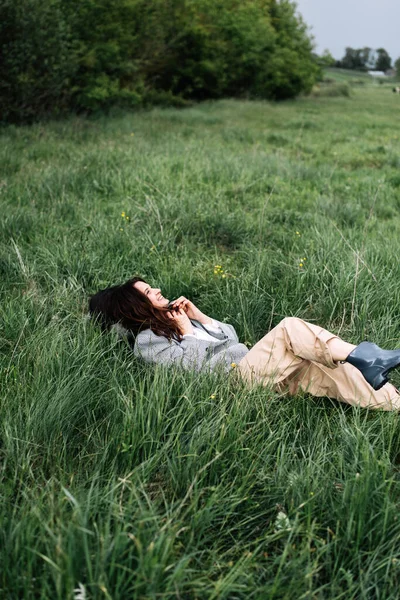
251 48
38 59
349 59
368 57
326 59
365 58
383 61
356 58
397 67
90 55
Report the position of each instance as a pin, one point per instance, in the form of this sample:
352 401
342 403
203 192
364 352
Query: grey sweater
224 353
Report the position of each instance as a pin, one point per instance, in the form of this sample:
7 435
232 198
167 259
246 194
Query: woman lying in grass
293 356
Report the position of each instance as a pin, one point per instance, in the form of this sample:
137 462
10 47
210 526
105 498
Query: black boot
374 363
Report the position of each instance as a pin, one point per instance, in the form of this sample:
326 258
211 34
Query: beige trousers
295 356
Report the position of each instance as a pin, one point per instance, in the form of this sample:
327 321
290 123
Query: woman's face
154 294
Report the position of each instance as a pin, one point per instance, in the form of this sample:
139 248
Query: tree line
361 59
89 55
364 59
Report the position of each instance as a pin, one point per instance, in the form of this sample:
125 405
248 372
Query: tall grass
120 480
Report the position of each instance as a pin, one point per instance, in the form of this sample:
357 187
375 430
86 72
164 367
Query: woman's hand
191 310
181 318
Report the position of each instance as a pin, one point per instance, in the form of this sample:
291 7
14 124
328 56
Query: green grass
141 482
348 75
356 78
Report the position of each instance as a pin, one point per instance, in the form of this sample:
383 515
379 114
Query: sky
336 24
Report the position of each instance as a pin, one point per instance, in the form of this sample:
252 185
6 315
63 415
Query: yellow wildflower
122 214
212 396
233 365
301 264
218 270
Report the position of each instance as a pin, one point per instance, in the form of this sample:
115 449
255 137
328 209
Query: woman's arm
227 330
191 310
190 353
195 314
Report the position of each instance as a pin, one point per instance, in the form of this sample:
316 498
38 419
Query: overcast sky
336 24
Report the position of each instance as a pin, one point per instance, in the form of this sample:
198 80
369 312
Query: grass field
351 76
119 480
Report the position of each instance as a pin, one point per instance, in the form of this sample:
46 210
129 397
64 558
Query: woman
293 356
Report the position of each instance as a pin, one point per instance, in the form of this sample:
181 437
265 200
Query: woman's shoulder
149 345
147 337
144 338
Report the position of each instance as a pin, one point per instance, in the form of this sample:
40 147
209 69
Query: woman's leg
297 355
339 349
283 350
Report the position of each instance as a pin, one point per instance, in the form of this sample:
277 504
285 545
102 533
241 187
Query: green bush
357 82
38 59
338 89
90 55
108 36
257 48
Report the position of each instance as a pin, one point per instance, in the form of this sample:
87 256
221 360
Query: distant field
356 77
347 75
121 481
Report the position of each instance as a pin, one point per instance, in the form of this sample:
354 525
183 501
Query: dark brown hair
128 306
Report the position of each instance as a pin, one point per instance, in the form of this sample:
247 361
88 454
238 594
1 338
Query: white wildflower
80 592
282 522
